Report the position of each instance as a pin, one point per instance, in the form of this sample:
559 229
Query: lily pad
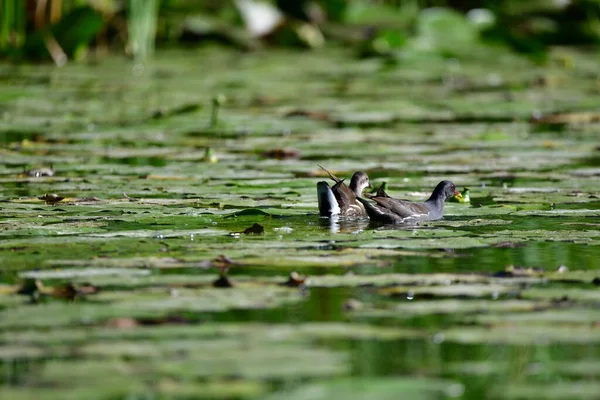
535 335
572 294
380 388
83 273
450 307
147 304
457 290
562 390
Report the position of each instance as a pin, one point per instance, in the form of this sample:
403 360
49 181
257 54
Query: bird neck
436 200
357 188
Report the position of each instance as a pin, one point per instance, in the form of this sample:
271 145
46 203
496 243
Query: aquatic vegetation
160 273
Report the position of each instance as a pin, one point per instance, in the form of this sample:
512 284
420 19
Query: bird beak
369 185
457 193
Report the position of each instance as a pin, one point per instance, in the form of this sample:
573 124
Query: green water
125 305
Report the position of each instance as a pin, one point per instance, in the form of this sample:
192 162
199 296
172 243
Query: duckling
340 199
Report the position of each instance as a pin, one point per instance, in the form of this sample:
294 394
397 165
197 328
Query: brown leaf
91 199
71 292
222 261
511 271
122 323
295 280
87 288
564 118
51 198
282 154
68 292
260 100
508 245
312 114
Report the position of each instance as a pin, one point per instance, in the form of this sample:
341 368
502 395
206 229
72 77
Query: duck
389 210
340 199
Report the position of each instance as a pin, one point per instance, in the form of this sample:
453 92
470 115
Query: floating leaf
537 335
282 154
552 391
411 292
451 307
380 388
83 273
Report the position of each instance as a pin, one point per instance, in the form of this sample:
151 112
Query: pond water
113 291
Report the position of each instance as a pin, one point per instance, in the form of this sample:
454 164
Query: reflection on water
397 227
338 224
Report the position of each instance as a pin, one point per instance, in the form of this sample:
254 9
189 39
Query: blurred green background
65 30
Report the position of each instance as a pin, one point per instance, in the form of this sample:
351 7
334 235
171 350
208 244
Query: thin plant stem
12 23
143 15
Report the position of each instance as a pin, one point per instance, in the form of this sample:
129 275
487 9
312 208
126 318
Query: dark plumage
341 199
389 210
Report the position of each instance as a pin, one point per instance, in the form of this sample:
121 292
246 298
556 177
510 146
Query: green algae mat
160 239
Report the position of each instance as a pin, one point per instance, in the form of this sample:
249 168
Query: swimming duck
389 210
341 199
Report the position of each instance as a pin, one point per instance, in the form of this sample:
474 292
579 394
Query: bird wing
344 195
379 214
332 176
402 208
